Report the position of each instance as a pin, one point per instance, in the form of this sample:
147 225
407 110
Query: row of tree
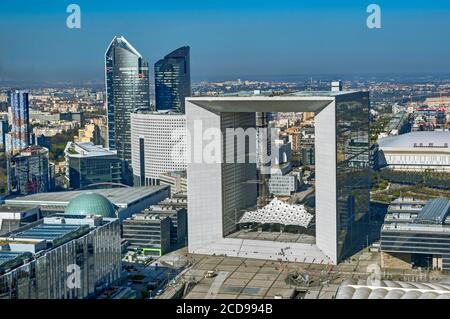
432 179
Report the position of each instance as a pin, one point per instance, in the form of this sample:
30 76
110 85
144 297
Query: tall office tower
29 171
20 128
158 144
127 89
40 258
173 80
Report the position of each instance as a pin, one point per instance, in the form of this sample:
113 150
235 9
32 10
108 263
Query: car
210 274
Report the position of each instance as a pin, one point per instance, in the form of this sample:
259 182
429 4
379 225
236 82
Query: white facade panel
205 183
326 212
164 143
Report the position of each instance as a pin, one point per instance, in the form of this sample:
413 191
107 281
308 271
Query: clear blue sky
228 38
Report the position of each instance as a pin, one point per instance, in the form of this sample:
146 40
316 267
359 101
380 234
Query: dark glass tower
127 89
173 80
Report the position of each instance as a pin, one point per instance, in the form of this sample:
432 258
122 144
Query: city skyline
249 39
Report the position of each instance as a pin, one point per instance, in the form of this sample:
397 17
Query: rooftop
411 227
308 101
148 216
120 197
87 149
408 200
14 209
270 93
48 232
435 211
160 112
181 174
10 259
6 256
417 140
121 42
31 150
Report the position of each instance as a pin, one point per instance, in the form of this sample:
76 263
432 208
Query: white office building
285 184
158 145
220 193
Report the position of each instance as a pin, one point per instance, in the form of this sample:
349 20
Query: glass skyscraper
20 128
173 80
127 89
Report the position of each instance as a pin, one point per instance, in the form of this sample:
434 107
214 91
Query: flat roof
412 140
15 209
434 211
270 93
87 149
6 256
309 101
182 174
121 197
414 227
160 112
49 232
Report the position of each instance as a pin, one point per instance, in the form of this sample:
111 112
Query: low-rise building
156 230
127 200
178 200
416 151
88 164
147 233
12 217
63 257
285 184
176 180
416 233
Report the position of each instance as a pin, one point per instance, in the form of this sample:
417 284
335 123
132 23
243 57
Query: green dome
91 204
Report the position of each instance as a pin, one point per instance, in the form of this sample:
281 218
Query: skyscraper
173 80
20 129
127 89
